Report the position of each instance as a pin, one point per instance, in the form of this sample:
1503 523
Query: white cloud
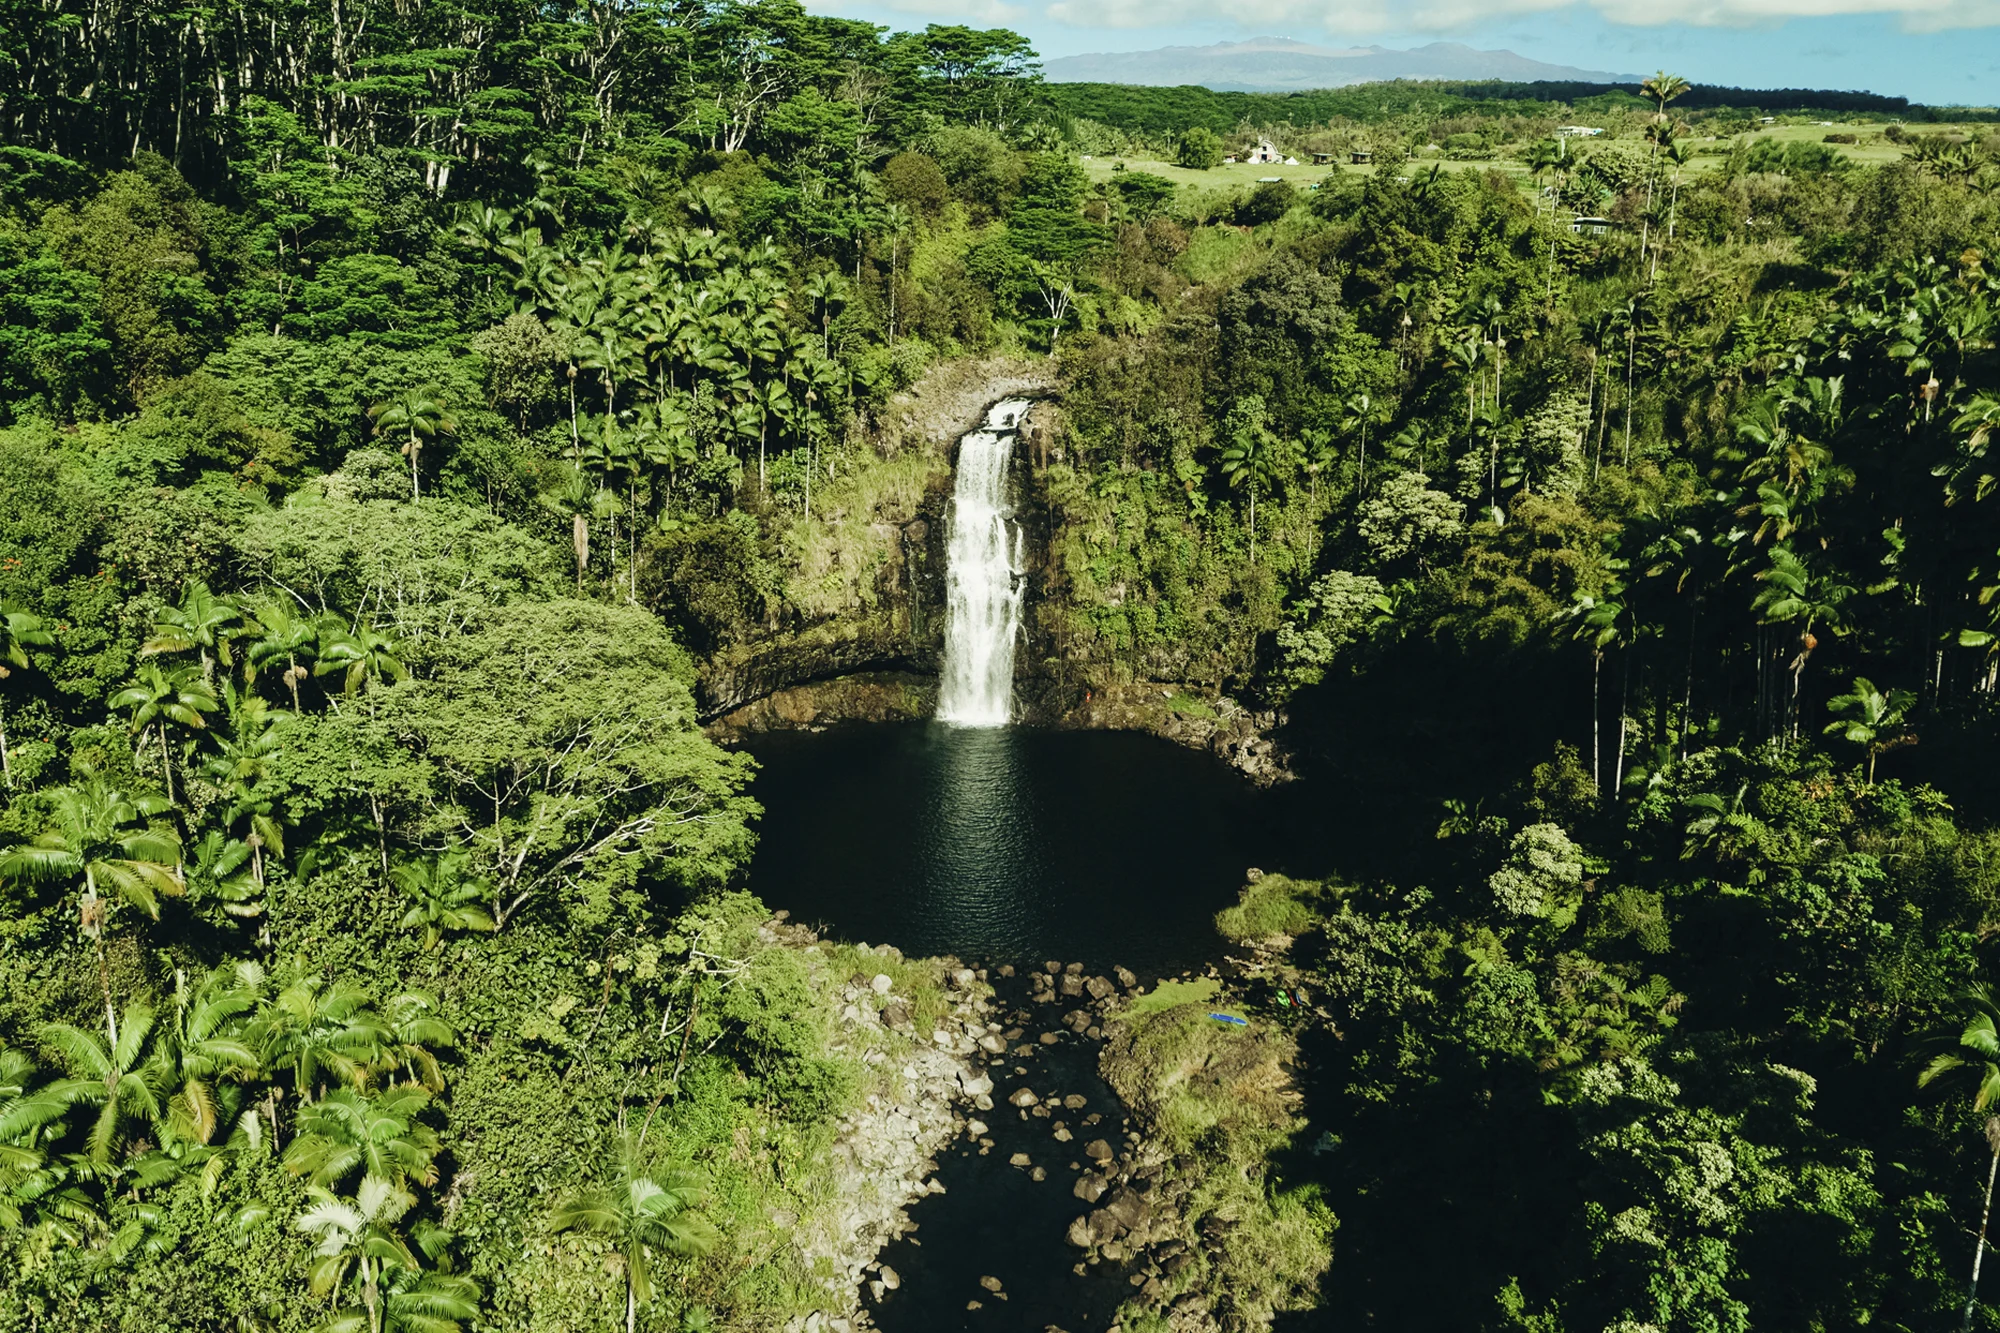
1362 18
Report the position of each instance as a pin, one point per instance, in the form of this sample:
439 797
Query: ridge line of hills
1279 64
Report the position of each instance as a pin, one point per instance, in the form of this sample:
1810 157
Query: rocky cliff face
878 660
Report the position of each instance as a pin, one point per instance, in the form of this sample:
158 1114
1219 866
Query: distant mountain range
1280 65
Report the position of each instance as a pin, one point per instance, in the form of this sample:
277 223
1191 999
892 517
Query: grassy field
1870 149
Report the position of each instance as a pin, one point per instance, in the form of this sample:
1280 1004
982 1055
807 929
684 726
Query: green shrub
1273 905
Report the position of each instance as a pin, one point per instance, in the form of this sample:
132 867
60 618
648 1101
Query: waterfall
982 577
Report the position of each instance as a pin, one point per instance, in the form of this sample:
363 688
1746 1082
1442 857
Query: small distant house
1591 226
1579 131
1322 159
1264 153
1291 161
1361 157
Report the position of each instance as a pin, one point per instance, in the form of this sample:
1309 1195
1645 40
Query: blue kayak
1231 1018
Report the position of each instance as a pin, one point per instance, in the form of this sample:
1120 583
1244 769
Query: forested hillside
403 407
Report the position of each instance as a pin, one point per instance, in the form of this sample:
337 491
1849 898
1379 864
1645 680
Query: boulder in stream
1023 1097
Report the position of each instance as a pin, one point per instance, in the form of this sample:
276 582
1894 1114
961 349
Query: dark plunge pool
1008 844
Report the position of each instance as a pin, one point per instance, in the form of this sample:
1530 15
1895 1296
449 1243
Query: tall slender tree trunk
166 762
1985 1212
92 917
1590 410
1631 353
6 760
415 448
631 1306
1687 698
1624 703
1596 723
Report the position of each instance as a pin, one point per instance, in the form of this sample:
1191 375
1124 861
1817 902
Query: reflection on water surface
1006 844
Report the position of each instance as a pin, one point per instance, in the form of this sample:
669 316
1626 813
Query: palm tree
1872 719
1403 298
1318 455
203 1045
1355 423
420 416
1664 88
1679 153
117 1078
239 766
640 1212
161 698
829 294
1543 156
20 630
364 654
1464 354
96 837
1973 1046
414 1030
444 897
575 500
361 1256
34 1195
202 623
1602 622
379 1136
1629 316
313 1030
1246 458
1793 593
278 631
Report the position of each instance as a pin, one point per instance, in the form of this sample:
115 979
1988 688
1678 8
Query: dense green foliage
1630 596
396 415
1166 111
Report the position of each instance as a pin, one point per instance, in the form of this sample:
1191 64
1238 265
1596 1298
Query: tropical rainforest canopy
401 405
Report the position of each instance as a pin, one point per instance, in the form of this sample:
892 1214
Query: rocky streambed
1054 1211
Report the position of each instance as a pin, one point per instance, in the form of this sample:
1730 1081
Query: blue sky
1938 51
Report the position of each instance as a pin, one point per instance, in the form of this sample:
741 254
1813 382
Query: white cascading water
982 577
